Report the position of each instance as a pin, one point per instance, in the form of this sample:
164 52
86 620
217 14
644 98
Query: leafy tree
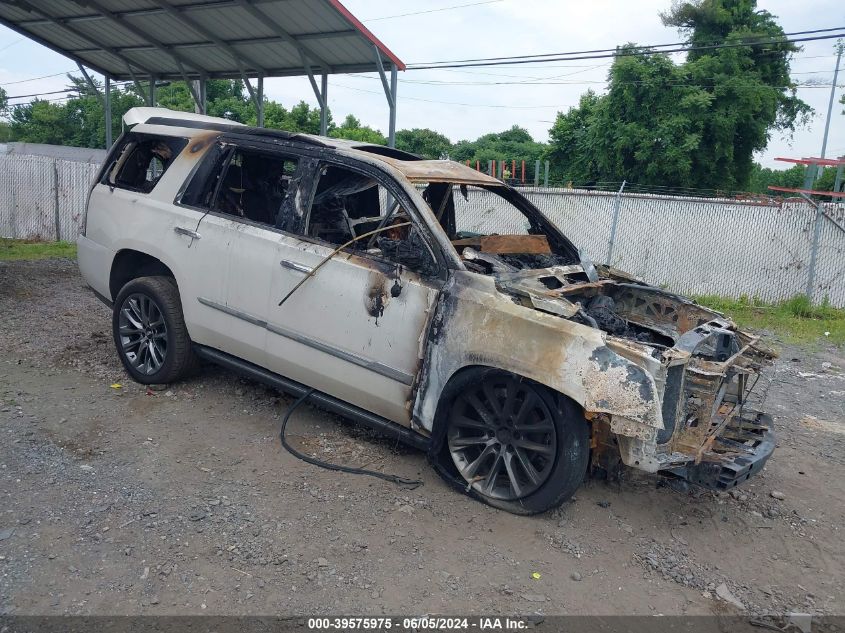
303 118
695 124
5 128
424 142
79 121
570 153
352 129
41 122
512 144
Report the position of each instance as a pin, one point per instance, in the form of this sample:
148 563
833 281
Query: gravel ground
115 499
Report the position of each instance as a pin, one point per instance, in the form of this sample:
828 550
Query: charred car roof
414 168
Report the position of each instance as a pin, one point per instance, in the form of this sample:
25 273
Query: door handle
189 232
286 263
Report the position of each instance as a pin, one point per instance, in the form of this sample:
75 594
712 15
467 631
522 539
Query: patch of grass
795 320
11 250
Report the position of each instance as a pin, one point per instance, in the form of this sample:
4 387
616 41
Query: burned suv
420 297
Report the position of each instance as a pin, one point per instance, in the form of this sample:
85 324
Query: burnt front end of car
714 433
711 383
707 427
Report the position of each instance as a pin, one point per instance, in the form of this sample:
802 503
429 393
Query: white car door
355 329
245 188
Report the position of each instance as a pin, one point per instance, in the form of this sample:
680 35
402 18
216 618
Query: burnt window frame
117 151
394 189
229 148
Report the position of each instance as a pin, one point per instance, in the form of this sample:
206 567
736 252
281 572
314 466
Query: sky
466 103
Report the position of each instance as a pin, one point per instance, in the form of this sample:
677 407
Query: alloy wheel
143 333
502 437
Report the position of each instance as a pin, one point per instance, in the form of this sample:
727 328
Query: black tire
558 432
162 330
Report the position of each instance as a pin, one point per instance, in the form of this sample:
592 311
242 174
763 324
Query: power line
637 51
23 81
457 6
614 49
584 82
17 41
471 105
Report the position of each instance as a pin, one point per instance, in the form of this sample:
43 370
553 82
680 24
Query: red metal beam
366 33
809 192
826 162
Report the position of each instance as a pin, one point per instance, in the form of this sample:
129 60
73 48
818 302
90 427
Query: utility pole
840 46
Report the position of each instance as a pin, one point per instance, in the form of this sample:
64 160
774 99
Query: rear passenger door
245 188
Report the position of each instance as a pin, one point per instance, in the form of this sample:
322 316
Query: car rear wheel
149 331
511 442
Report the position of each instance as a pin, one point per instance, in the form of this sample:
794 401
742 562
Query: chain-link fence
689 245
43 198
696 245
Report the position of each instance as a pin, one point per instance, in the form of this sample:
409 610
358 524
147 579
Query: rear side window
141 161
244 183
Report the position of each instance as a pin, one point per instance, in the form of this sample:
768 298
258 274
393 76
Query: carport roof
175 39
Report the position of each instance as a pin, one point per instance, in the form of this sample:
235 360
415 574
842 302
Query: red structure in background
819 162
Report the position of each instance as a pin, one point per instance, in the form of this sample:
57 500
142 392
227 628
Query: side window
142 161
243 183
350 205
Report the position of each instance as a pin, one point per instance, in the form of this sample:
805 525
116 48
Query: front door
354 329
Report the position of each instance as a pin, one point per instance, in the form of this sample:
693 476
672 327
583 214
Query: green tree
303 118
570 153
695 124
79 121
424 142
41 122
352 130
512 144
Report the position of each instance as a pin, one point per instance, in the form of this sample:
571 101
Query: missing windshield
495 229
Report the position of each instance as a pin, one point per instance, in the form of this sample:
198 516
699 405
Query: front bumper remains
738 453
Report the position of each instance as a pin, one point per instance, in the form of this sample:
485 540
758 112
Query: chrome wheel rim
502 438
143 333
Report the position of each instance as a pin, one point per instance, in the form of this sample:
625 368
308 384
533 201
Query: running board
318 398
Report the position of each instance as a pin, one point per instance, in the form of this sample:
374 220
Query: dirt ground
119 500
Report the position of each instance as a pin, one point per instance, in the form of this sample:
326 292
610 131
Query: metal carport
192 40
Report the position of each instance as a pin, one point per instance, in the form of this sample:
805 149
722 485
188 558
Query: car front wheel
149 331
514 444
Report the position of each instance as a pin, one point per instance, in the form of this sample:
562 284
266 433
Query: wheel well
129 265
445 394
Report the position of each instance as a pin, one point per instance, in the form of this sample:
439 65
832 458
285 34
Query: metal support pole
546 179
324 105
394 85
107 109
152 91
490 167
837 183
839 48
814 248
389 93
617 206
203 90
260 101
56 200
537 173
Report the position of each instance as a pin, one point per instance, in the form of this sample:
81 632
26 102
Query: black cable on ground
410 484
